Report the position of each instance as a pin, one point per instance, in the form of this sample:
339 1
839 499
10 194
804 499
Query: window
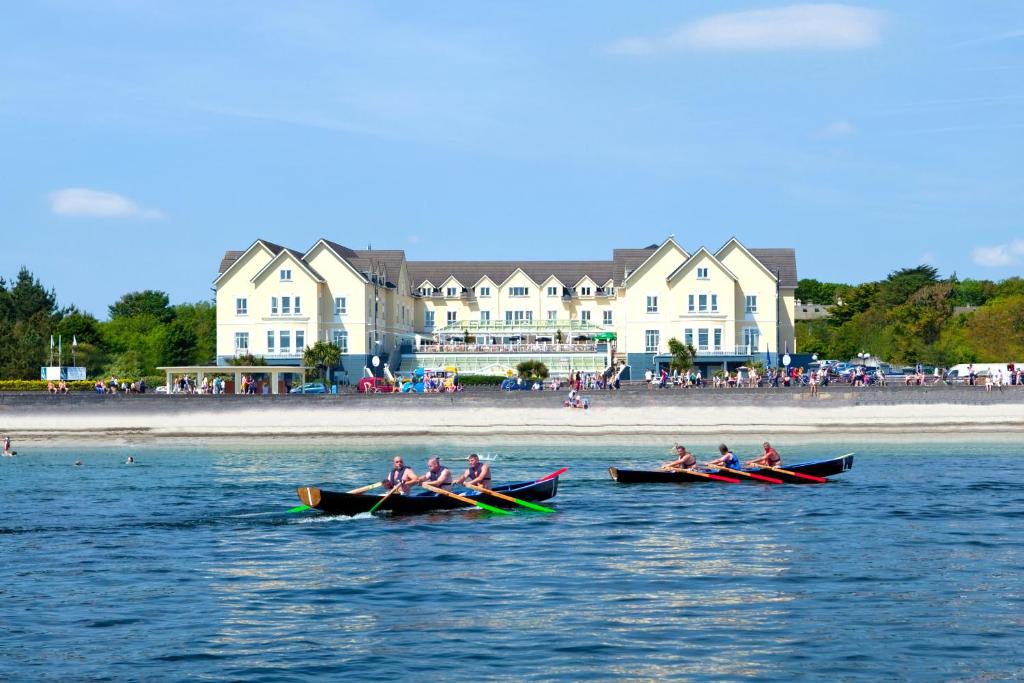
453 316
691 306
285 339
273 305
702 274
425 291
451 291
241 341
702 303
688 336
607 317
584 291
702 339
585 316
286 305
298 305
718 339
651 337
485 316
751 306
518 316
485 291
751 339
552 291
241 307
270 341
300 340
552 315
518 291
652 304
340 306
340 339
286 275
428 318
714 303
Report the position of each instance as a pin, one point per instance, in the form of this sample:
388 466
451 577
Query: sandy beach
637 414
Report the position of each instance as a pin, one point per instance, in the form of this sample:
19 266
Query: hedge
40 385
480 380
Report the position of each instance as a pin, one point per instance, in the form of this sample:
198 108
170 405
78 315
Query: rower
478 473
437 475
727 460
400 475
770 458
686 459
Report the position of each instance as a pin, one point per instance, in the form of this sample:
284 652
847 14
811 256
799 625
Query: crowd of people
401 478
116 386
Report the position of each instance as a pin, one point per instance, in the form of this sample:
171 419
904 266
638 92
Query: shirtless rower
727 460
478 473
770 458
685 459
437 475
400 475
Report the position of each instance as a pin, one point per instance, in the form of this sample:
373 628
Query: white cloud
1000 255
81 201
794 27
837 129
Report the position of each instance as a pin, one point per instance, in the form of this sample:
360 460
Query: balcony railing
507 348
725 350
499 327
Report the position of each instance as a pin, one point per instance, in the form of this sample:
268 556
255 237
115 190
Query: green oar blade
299 508
491 508
533 506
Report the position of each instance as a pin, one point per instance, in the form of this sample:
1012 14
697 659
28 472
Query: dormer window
585 291
702 274
518 291
485 291
552 291
286 275
452 292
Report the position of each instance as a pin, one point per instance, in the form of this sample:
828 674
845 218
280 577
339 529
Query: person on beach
770 458
727 460
437 474
478 473
685 460
401 476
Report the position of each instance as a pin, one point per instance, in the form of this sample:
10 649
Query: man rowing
401 476
437 475
727 460
685 460
478 473
770 458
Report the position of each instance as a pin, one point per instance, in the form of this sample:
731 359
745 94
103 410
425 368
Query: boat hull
339 503
820 468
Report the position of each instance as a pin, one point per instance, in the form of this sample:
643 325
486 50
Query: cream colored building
732 304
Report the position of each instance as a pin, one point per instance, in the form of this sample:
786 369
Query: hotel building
733 305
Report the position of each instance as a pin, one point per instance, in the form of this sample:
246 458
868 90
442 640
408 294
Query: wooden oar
799 475
517 501
464 499
385 497
770 480
700 474
310 499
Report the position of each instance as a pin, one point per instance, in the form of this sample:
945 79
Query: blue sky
139 140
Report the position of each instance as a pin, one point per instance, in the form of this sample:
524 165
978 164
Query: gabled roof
500 271
692 261
231 258
298 259
781 261
654 253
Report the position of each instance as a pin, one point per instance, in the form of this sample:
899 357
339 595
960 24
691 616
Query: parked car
309 388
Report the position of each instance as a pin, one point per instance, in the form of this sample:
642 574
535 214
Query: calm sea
185 566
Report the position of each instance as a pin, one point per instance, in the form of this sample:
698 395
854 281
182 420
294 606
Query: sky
140 140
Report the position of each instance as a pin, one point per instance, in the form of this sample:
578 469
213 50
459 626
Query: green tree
996 330
201 319
532 369
809 289
322 356
178 346
682 355
916 325
147 303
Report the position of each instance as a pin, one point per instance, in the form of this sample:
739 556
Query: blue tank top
732 461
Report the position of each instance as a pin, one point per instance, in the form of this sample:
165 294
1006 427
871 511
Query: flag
74 342
51 342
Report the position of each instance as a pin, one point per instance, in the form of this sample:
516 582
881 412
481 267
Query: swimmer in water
130 460
77 463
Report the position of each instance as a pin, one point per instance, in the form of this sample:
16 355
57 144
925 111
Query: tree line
143 331
914 316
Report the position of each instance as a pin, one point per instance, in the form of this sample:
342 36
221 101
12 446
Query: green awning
605 336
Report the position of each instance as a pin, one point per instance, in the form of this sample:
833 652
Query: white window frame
714 303
241 306
717 337
552 315
485 316
652 303
702 303
752 339
297 306
585 316
688 336
552 290
585 291
286 275
750 303
451 292
282 337
703 338
273 306
300 341
650 335
271 338
452 317
692 301
485 292
340 306
428 319
702 273
519 291
340 339
241 341
607 317
286 305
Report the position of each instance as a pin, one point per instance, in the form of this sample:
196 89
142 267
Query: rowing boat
340 503
817 468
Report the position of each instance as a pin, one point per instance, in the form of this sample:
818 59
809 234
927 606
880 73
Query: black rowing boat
339 503
818 468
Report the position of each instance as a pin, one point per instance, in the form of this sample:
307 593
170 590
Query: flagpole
51 351
60 350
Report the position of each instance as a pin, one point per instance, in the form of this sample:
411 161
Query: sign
786 360
56 373
376 361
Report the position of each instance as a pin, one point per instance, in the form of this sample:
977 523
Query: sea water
185 565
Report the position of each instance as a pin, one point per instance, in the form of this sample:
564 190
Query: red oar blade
725 479
808 477
770 480
554 474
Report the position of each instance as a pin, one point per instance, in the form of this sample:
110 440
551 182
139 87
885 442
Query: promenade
863 413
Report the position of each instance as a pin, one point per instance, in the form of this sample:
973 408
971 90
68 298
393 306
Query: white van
961 373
